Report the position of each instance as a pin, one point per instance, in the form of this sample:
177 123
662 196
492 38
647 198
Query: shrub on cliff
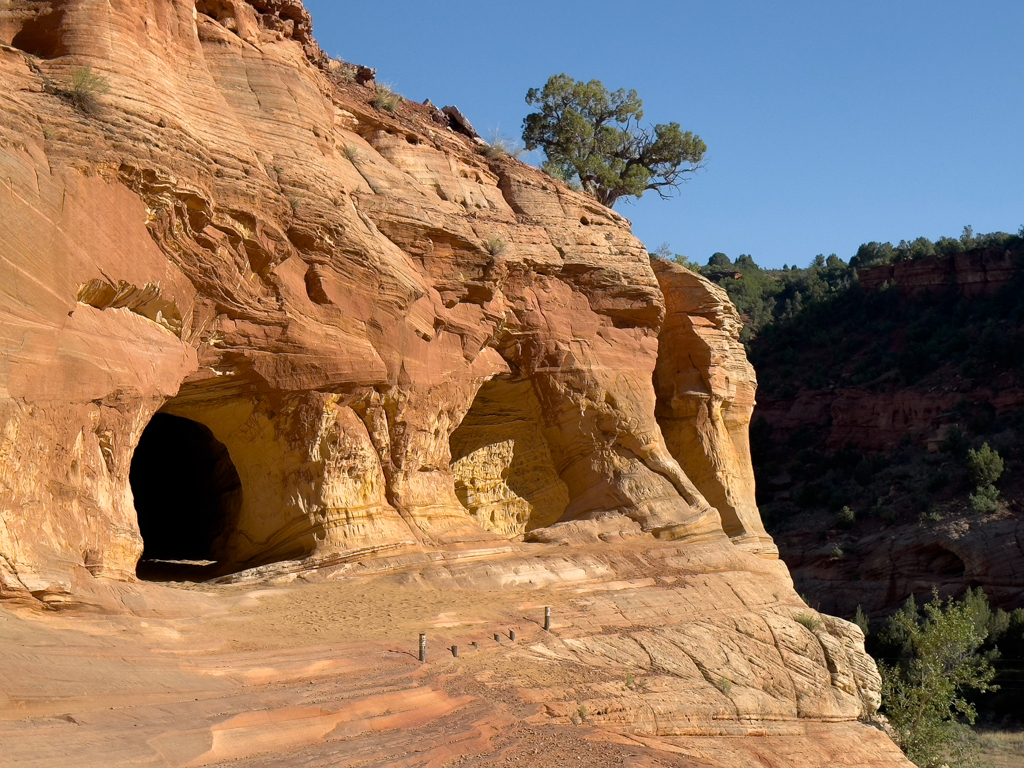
82 90
985 467
385 99
940 658
593 137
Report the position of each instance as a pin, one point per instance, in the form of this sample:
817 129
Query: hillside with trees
887 440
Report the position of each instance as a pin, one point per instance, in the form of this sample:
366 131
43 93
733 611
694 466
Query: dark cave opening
187 497
42 35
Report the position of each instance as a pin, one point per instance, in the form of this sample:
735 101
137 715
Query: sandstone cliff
233 234
979 272
375 344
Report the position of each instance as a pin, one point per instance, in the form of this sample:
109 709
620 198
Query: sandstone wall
235 235
705 388
981 272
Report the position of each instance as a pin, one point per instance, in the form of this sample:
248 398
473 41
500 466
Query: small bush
84 88
861 620
351 152
809 620
938 481
846 518
630 680
986 500
494 246
724 685
502 146
385 99
985 466
956 441
836 553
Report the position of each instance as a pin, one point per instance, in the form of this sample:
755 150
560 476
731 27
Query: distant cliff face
872 405
381 338
981 272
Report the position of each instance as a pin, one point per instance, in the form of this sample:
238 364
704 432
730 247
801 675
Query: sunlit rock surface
397 353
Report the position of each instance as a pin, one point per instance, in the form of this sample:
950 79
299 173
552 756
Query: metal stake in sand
547 619
512 635
423 648
497 637
455 651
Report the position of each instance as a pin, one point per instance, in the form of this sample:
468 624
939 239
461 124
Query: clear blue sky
829 123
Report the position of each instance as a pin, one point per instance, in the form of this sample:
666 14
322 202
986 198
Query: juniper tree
593 137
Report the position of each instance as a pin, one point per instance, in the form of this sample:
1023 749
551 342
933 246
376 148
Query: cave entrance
187 496
504 473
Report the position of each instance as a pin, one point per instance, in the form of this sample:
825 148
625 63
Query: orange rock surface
234 235
386 347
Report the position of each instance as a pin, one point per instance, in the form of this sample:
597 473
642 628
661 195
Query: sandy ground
321 669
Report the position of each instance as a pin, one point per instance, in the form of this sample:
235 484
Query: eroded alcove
504 473
940 562
41 35
187 497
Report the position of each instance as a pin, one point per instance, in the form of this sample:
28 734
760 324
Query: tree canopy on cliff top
593 137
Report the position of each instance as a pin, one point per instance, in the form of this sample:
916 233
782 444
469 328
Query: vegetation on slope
815 328
934 664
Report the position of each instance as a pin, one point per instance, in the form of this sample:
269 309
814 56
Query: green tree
593 136
985 466
940 659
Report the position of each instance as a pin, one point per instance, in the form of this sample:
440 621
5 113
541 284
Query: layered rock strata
981 272
228 231
705 388
247 313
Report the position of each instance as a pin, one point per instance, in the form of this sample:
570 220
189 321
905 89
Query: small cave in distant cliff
504 473
187 495
939 562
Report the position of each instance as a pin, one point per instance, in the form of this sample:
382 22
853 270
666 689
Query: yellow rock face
705 388
504 473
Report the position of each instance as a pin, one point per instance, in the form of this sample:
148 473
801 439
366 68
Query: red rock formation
234 235
893 562
405 350
980 272
878 421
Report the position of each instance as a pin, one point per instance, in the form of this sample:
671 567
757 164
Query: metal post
423 647
497 637
455 651
512 635
547 619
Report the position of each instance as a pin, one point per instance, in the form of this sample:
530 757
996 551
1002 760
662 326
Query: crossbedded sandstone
410 353
233 234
